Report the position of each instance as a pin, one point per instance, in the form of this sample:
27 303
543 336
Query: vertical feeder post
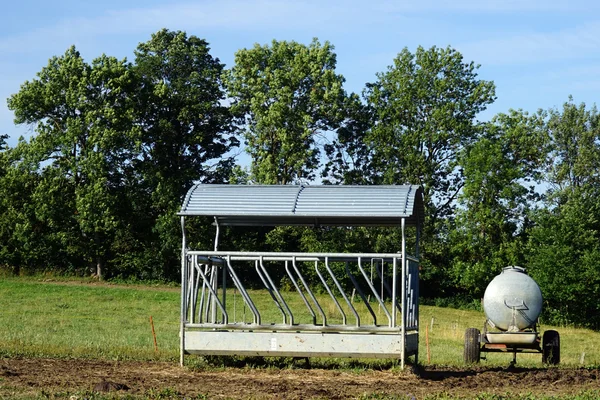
224 270
214 278
417 277
394 290
403 293
183 293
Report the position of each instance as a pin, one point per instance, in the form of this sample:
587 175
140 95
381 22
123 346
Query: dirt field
70 378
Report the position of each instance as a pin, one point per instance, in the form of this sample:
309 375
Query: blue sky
537 52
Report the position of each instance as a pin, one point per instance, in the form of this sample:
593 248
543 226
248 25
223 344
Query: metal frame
305 321
485 346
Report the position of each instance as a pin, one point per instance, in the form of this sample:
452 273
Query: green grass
86 320
89 321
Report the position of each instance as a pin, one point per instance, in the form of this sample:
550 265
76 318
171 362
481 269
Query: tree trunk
99 256
99 268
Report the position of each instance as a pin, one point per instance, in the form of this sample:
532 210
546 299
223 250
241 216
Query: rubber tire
472 351
551 347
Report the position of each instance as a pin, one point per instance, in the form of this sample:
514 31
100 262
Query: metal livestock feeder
512 303
223 313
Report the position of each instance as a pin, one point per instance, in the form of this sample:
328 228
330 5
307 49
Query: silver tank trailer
512 304
512 301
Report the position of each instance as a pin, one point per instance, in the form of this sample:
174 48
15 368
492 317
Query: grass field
112 322
87 320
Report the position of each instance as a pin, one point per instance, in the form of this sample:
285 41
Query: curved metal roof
306 205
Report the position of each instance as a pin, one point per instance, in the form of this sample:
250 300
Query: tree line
116 144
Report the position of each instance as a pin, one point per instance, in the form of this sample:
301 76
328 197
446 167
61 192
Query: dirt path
20 377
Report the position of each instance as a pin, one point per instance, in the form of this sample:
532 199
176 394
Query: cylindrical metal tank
513 300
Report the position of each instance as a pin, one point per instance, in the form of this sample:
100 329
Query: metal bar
361 293
341 290
213 293
194 297
245 295
304 299
224 285
209 260
208 297
383 281
403 293
417 294
183 292
295 328
394 290
189 278
203 294
385 284
374 263
218 231
279 296
310 293
337 304
190 294
195 291
374 291
269 289
224 274
282 256
409 299
213 276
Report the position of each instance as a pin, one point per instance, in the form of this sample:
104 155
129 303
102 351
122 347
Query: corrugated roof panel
306 205
215 200
354 200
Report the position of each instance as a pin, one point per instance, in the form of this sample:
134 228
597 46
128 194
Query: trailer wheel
471 352
551 348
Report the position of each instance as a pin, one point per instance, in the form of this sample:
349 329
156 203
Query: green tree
350 155
289 96
186 135
563 255
564 246
501 171
26 241
83 122
574 155
116 148
418 118
425 107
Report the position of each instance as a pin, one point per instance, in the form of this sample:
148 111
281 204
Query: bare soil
32 377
